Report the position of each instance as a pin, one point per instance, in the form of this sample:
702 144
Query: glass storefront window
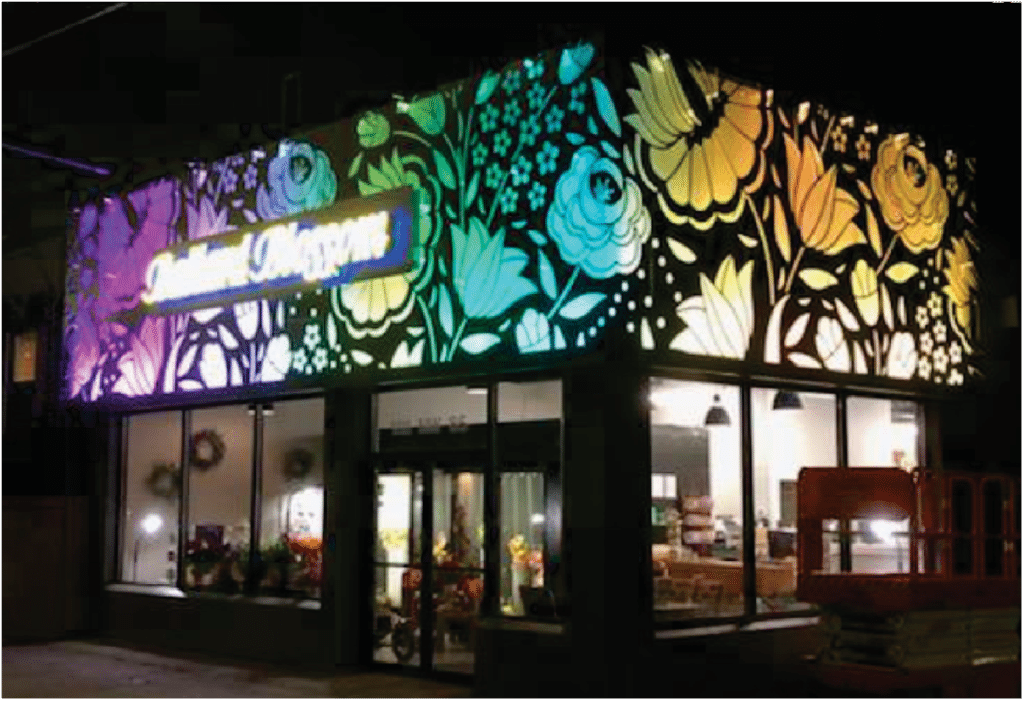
151 489
882 433
292 504
530 513
791 430
696 500
220 485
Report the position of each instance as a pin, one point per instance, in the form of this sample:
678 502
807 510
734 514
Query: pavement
95 669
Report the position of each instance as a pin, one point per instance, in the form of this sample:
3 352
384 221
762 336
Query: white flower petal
212 366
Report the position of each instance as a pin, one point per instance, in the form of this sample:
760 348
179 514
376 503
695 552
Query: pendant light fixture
717 415
786 400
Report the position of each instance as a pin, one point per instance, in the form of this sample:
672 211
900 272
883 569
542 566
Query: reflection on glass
696 500
788 436
149 528
522 539
396 620
291 527
458 546
220 485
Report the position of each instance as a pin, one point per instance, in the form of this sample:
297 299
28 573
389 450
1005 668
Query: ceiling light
717 415
786 400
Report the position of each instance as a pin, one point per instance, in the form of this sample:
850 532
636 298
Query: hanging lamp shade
717 415
787 400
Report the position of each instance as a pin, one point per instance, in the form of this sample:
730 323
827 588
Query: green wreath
206 449
298 463
164 481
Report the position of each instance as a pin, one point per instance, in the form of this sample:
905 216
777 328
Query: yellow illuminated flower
864 282
823 212
863 148
699 157
910 193
720 320
963 281
951 184
517 549
370 306
839 140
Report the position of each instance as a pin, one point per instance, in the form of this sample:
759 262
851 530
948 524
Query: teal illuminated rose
597 218
373 130
299 179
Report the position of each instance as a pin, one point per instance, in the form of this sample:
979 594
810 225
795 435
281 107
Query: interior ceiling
153 80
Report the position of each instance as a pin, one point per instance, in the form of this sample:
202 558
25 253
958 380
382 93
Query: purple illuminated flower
229 180
249 179
204 219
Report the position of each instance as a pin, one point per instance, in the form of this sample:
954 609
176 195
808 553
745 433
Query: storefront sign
356 240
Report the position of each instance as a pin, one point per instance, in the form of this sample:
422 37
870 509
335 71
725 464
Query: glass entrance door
429 531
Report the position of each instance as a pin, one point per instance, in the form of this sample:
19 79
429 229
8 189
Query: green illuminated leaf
519 224
361 357
681 251
332 331
445 310
449 210
536 237
486 86
873 234
415 331
575 139
606 106
592 125
609 149
479 342
377 178
627 157
901 272
547 276
480 206
356 162
817 279
473 185
781 229
365 189
581 306
504 325
444 171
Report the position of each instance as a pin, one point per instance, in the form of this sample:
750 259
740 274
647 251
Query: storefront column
607 487
347 564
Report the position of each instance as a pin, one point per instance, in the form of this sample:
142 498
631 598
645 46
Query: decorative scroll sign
355 240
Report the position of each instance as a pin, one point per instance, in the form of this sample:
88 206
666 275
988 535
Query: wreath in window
164 481
298 463
206 449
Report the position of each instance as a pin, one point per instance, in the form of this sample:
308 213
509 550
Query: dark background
184 80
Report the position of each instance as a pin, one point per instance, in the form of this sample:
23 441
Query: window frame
746 384
115 578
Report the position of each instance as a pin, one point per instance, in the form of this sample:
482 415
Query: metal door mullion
427 564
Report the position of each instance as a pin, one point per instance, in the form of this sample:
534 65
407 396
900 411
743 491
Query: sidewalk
93 669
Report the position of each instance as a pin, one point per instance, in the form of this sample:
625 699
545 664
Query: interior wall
220 495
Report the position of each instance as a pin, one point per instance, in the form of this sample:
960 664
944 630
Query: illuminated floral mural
530 225
698 215
853 255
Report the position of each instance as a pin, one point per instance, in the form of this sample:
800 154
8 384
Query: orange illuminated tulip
823 212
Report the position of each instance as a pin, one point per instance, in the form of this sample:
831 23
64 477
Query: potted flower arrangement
209 564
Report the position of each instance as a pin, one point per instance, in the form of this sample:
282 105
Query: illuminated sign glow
327 248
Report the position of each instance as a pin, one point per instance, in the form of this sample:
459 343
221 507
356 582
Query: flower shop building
508 349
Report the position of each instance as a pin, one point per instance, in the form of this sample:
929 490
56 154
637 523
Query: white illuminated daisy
922 317
955 354
320 359
940 360
926 343
924 367
312 337
935 304
940 331
299 359
955 378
